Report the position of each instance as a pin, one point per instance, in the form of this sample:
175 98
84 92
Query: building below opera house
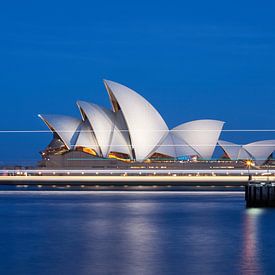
134 135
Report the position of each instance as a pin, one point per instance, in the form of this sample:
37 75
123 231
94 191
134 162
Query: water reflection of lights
254 211
138 245
142 237
251 262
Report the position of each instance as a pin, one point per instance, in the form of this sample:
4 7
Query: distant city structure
134 131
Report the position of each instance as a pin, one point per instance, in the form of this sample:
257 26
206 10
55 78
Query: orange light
114 156
89 151
249 163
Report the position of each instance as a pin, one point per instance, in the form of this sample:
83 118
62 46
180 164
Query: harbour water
68 232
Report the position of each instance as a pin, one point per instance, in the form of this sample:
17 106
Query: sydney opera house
133 131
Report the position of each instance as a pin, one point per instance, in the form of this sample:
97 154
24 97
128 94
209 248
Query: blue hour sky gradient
190 59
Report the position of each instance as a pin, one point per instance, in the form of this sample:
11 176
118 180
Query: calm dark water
134 233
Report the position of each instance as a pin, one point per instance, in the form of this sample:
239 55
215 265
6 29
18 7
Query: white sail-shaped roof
231 149
102 123
146 127
201 135
86 138
66 127
260 150
109 128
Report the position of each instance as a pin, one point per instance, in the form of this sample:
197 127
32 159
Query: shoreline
128 182
124 183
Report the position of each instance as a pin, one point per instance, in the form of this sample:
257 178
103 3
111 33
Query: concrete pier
260 194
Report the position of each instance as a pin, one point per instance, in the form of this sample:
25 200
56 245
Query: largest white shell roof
146 126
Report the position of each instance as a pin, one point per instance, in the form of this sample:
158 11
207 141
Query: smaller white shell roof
109 128
102 123
66 127
260 150
201 135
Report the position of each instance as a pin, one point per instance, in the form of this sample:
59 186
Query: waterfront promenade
134 178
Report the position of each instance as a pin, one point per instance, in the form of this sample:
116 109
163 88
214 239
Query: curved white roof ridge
202 135
66 127
146 126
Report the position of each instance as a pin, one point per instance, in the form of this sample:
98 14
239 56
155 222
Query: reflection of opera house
134 131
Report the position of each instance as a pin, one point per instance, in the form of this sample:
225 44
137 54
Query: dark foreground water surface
134 233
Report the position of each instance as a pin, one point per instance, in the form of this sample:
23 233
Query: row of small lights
140 173
125 186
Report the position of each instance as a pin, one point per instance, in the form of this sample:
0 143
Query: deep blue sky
190 59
